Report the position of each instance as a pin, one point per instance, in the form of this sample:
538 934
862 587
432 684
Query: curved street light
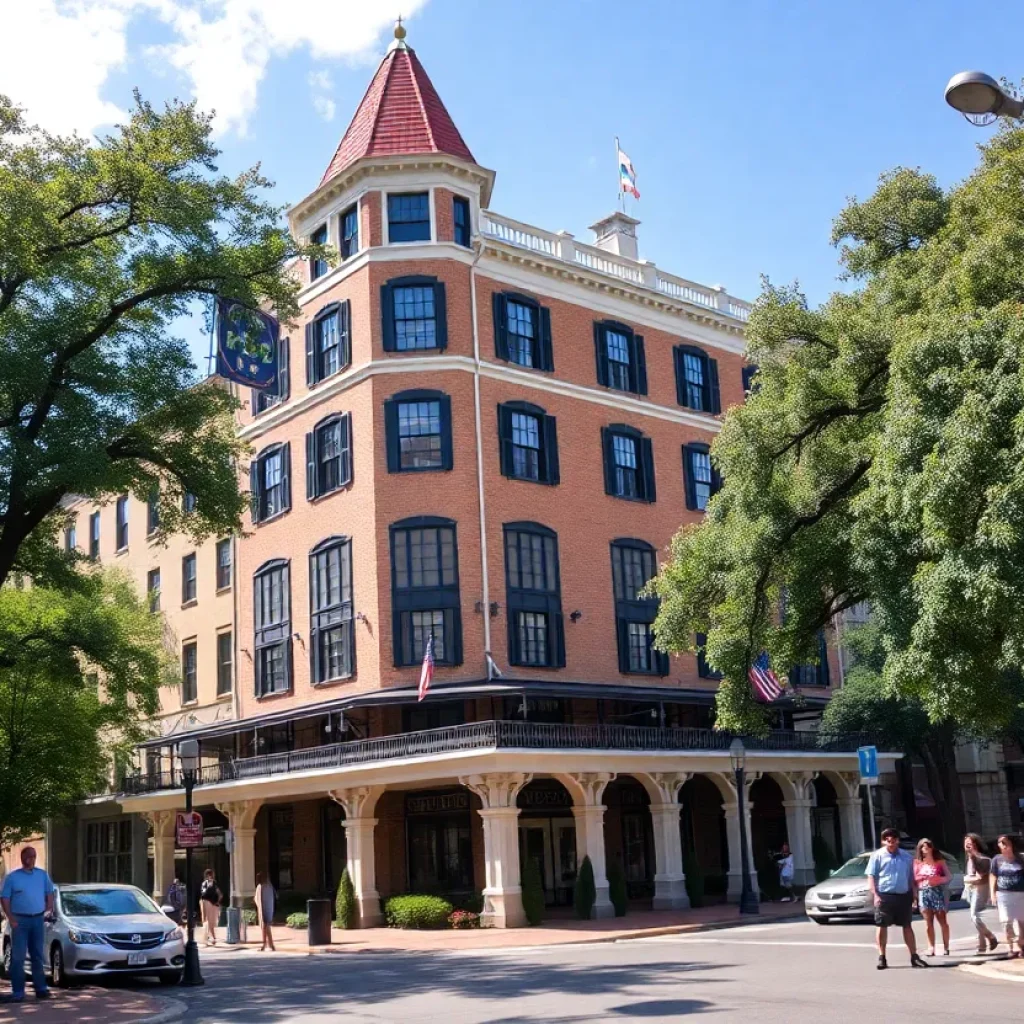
981 99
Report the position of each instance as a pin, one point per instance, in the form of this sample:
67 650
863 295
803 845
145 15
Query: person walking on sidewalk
1007 887
890 874
976 881
266 898
177 898
209 901
26 897
932 875
786 871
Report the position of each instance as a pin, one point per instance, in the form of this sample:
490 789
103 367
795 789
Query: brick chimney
617 233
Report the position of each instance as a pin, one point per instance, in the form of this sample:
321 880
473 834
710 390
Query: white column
162 823
732 834
590 836
851 825
241 817
798 827
503 893
669 878
358 803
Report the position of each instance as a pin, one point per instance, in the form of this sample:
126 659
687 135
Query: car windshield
853 868
106 903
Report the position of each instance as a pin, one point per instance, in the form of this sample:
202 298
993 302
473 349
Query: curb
173 1010
992 972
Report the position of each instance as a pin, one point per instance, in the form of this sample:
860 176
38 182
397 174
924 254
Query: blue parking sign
867 758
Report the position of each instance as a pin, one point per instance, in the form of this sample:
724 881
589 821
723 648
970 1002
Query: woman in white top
1007 886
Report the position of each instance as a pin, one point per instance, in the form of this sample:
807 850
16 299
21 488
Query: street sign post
867 759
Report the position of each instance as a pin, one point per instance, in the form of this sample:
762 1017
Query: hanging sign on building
247 345
188 829
436 803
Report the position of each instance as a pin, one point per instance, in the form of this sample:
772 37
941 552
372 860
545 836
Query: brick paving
90 1005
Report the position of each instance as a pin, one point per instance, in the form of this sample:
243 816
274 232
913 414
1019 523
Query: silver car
100 930
845 895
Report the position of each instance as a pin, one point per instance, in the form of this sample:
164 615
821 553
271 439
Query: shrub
289 903
250 917
297 920
417 912
464 919
533 892
474 903
584 892
824 859
695 881
345 907
617 890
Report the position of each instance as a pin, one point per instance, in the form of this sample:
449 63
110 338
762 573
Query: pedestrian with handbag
209 901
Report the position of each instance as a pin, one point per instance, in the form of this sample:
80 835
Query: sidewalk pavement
92 1004
636 924
1000 970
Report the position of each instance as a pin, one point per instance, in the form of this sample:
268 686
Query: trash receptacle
234 922
319 912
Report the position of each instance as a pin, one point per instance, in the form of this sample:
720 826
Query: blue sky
748 122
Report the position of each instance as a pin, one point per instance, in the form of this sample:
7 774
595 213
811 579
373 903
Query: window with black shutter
153 589
329 456
460 216
225 663
328 342
224 564
349 222
528 441
188 578
319 267
536 635
628 463
522 331
94 535
697 380
332 633
704 670
270 482
633 565
418 429
272 641
425 597
267 398
621 361
189 673
814 673
700 478
121 524
71 538
413 314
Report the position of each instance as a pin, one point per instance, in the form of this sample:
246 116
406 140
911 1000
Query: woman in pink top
932 874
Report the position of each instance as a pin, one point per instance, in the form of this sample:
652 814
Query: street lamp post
981 99
188 752
749 903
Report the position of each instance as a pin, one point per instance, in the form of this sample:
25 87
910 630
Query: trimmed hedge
533 892
417 912
617 890
289 903
695 885
585 891
346 910
297 920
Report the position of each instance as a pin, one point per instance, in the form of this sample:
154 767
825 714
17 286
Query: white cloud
321 86
221 47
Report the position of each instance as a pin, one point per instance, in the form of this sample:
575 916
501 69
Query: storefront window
440 846
282 847
108 852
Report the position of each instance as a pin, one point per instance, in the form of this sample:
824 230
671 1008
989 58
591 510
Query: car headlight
83 938
173 936
859 892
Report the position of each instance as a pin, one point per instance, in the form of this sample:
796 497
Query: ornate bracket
498 789
357 801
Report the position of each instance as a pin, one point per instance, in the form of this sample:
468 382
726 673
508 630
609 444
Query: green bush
417 912
346 909
694 880
584 892
297 920
289 903
533 892
617 890
250 917
825 861
474 903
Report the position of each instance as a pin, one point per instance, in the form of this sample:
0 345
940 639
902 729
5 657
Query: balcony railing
491 736
560 245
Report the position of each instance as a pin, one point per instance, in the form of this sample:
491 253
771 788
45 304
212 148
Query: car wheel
822 920
5 963
57 969
170 978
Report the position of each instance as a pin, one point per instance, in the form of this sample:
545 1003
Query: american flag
765 682
427 672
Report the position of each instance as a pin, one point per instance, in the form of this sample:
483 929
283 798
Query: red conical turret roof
401 113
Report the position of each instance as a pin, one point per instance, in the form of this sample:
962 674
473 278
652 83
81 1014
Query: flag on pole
427 671
627 176
765 682
247 344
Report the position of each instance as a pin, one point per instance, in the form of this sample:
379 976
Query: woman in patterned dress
932 874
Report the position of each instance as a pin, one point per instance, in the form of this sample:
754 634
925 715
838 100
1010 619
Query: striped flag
627 176
427 672
765 682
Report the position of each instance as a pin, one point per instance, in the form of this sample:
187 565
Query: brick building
486 436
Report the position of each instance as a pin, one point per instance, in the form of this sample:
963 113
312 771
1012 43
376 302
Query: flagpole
618 176
213 330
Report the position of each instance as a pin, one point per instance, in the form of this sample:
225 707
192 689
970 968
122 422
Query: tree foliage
880 458
61 736
102 247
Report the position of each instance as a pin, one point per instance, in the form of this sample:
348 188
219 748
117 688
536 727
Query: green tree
61 736
617 891
880 458
533 892
584 892
102 247
345 907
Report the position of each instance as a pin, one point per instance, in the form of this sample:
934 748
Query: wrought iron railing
488 736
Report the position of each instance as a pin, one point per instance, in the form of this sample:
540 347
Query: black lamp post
749 903
188 752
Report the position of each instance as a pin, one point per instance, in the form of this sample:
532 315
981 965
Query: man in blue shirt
890 874
26 896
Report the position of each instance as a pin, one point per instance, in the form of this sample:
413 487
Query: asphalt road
760 974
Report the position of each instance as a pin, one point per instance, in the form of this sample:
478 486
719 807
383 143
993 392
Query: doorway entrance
551 844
